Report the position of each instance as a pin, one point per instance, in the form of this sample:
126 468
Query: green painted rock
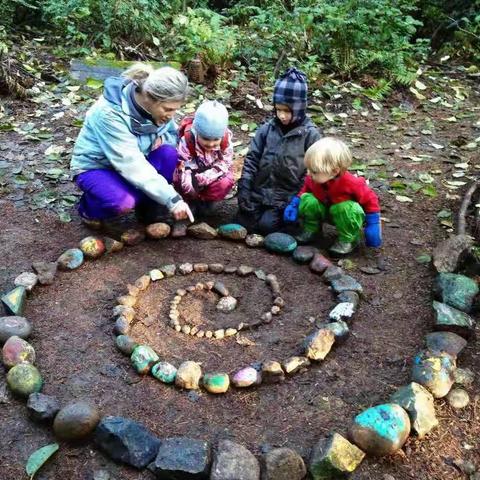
92 247
15 351
448 342
280 243
125 344
14 301
434 370
452 320
12 325
318 344
455 290
216 382
165 372
381 430
188 375
24 379
75 421
232 231
334 457
70 259
418 402
143 357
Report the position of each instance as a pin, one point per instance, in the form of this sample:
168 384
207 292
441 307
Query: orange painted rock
92 247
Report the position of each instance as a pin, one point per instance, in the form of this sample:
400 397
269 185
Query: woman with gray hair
125 154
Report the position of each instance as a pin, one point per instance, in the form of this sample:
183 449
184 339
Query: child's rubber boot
305 237
340 248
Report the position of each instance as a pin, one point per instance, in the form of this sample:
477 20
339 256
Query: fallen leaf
403 199
38 458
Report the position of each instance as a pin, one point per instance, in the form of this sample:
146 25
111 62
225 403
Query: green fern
380 91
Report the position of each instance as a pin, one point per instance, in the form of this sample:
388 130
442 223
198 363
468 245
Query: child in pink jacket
205 171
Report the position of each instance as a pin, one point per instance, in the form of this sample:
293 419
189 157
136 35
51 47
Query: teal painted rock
435 371
280 243
418 402
448 342
15 351
188 375
455 290
334 457
452 320
381 430
92 247
24 379
12 325
70 259
14 301
126 344
232 231
317 345
216 382
165 372
247 377
143 357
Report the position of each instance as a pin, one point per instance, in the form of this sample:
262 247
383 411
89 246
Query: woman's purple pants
107 194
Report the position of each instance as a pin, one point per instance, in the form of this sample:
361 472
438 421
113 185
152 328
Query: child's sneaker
343 248
305 237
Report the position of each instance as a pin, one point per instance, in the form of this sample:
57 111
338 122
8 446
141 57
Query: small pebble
143 282
200 334
186 329
275 310
208 334
200 267
221 289
216 267
156 275
267 317
219 334
279 301
27 280
185 268
244 270
254 240
168 270
178 328
230 332
458 398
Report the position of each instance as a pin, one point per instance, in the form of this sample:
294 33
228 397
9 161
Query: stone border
379 430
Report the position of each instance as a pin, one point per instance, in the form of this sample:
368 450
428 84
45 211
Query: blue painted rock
247 377
164 371
232 231
16 350
24 379
188 375
453 320
143 357
304 254
334 457
125 344
216 382
70 259
280 243
14 301
318 344
92 247
434 371
456 290
418 402
381 430
13 325
159 230
448 342
76 421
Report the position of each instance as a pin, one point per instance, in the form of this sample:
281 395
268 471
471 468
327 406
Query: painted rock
456 290
232 231
227 304
334 457
46 272
92 247
155 275
342 311
304 254
42 408
10 326
318 344
188 375
202 230
157 231
381 430
448 342
24 379
346 282
216 267
247 377
112 245
76 421
143 357
452 320
14 301
16 350
319 263
418 402
458 398
185 268
125 344
164 371
27 280
70 259
294 364
272 372
280 243
132 237
332 273
283 464
216 382
168 270
254 240
434 371
233 461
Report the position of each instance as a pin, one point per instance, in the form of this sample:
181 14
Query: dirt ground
77 357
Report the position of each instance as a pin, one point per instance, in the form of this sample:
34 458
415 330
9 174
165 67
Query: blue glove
291 212
373 230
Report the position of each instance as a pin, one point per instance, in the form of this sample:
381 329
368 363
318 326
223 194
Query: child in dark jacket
274 170
331 191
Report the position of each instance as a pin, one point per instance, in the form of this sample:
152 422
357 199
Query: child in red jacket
330 190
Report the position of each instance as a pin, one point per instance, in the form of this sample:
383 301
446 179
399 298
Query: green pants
348 216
